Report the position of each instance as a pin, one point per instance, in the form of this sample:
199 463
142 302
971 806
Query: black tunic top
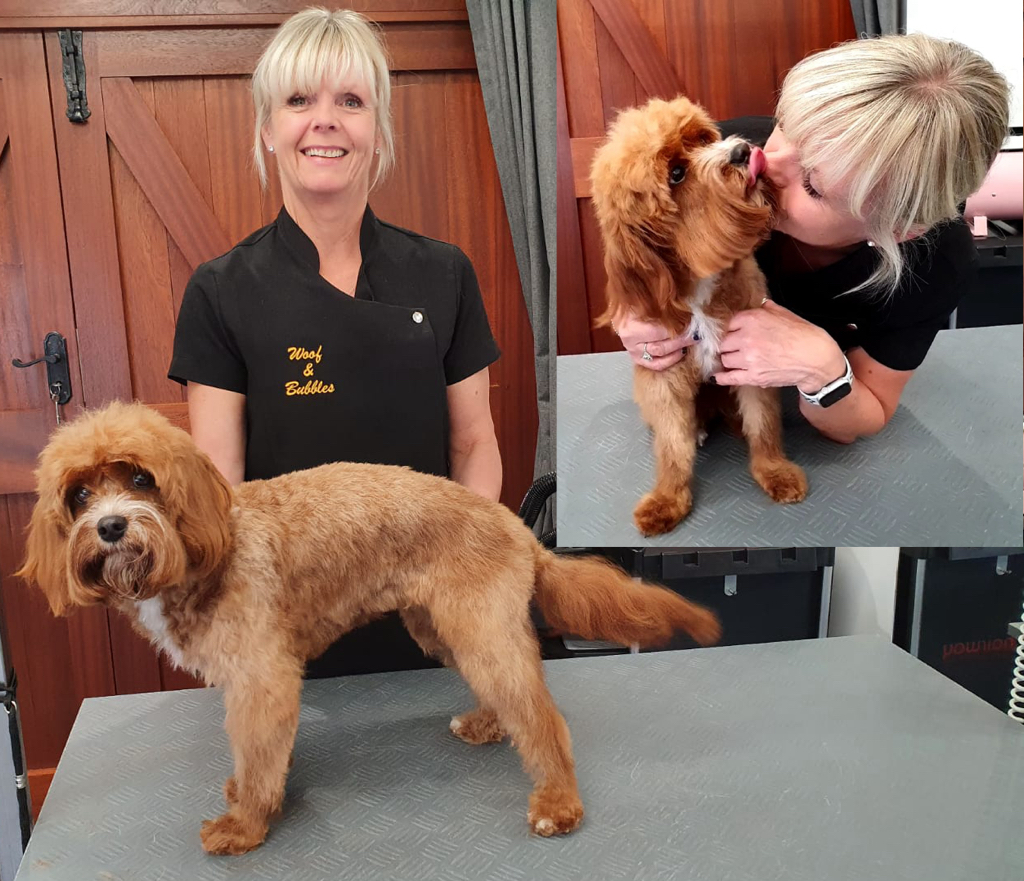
895 330
331 377
327 376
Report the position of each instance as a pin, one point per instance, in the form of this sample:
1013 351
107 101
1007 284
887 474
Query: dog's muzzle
112 528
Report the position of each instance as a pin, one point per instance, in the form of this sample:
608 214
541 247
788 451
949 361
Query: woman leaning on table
875 145
331 335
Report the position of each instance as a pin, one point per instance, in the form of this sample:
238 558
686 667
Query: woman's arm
473 456
772 346
867 409
217 419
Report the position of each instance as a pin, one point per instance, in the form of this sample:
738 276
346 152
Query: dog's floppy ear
644 279
46 548
201 501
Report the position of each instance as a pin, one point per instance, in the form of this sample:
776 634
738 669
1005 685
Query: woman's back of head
906 127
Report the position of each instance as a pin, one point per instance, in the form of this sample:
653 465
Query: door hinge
74 74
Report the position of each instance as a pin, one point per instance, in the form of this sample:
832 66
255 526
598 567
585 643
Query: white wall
991 27
863 591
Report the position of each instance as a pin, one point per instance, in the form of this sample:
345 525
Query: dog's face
675 203
127 507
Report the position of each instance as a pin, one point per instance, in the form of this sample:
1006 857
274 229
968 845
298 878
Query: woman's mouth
324 152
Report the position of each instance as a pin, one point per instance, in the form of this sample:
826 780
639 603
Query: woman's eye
352 102
80 495
143 480
676 174
813 193
296 101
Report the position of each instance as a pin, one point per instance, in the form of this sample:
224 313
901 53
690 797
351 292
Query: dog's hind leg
668 406
477 726
761 416
499 658
261 721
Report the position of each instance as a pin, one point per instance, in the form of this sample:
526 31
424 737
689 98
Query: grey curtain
873 18
514 42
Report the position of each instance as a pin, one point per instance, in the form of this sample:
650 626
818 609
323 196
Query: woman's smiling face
324 142
807 212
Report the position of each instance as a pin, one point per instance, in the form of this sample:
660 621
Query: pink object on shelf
1001 196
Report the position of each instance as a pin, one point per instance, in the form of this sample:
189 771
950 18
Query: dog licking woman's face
667 187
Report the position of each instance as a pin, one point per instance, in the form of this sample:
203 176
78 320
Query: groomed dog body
680 213
244 585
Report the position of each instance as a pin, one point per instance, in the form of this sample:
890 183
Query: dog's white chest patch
710 330
151 614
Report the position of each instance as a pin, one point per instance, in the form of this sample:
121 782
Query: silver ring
647 356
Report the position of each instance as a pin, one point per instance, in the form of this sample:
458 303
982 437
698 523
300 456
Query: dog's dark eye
143 480
676 173
80 495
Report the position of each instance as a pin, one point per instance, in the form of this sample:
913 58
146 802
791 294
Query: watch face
837 394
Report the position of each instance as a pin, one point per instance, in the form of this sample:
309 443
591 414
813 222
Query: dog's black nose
740 154
111 529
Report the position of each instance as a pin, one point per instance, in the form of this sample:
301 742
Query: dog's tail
592 598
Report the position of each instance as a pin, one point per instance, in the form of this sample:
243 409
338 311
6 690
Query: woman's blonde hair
906 125
313 45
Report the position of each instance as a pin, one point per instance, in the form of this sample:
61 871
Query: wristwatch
833 391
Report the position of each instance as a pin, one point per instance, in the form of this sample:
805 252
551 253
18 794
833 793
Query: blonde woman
875 144
330 335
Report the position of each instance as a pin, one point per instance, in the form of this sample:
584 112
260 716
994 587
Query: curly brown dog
244 585
681 212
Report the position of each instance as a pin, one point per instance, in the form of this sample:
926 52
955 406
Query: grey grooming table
825 760
946 470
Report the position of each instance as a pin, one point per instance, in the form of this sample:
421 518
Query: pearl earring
270 148
377 150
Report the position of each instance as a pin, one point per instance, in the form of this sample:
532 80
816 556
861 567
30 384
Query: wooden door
68 659
730 57
156 181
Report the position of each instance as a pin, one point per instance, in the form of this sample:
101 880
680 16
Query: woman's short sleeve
205 350
472 347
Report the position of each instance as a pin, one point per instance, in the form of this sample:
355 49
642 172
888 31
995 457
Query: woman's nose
324 122
778 166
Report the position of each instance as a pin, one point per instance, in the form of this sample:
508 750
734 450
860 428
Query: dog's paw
554 811
477 726
228 835
783 481
702 436
657 513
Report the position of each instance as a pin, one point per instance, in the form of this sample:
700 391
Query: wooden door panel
34 278
146 287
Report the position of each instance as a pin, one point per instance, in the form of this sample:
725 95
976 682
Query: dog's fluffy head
127 506
672 207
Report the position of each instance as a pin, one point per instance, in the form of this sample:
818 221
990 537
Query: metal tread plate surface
946 470
841 759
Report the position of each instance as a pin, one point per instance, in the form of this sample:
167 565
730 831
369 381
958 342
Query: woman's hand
664 349
771 346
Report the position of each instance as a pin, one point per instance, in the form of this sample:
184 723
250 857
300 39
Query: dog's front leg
261 723
667 402
761 415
